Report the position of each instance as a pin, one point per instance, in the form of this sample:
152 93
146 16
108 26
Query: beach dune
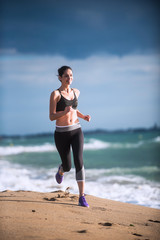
57 216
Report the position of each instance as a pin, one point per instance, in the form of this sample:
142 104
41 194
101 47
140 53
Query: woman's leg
62 142
81 185
77 146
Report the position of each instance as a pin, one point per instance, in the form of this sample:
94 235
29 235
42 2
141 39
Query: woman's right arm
53 115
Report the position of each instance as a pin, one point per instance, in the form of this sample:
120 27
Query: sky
113 48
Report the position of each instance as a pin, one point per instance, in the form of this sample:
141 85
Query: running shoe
82 202
59 177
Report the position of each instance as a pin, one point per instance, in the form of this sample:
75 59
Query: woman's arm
79 114
85 117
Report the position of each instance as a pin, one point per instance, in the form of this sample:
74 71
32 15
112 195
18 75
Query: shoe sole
82 206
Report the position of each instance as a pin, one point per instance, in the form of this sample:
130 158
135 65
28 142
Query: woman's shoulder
55 93
77 92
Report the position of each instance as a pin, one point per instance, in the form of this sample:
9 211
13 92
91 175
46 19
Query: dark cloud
77 30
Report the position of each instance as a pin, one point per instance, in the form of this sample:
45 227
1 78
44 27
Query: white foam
13 150
122 171
92 144
95 144
105 183
157 139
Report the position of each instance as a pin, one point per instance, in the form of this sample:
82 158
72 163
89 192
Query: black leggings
64 141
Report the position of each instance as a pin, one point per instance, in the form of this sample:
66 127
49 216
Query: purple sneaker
59 178
82 202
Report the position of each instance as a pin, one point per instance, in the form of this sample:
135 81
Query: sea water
122 166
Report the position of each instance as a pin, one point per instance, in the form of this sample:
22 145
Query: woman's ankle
61 172
81 194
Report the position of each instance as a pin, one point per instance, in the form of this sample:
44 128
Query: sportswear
59 178
82 202
64 102
65 139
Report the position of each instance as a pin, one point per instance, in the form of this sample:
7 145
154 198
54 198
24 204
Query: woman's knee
66 168
80 175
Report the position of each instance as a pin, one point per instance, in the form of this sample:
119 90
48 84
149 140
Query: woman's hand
87 117
84 117
68 109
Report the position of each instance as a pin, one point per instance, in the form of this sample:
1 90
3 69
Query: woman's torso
71 117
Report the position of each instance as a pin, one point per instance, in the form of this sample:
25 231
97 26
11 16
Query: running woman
68 132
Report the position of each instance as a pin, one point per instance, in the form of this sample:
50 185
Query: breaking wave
92 144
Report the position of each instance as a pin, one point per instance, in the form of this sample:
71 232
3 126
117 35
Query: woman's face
67 77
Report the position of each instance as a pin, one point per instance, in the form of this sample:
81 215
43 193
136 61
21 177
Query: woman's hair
62 69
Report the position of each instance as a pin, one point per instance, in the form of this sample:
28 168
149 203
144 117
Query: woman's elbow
51 117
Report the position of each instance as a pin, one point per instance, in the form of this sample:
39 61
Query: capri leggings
64 140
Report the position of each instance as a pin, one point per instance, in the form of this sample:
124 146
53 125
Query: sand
56 215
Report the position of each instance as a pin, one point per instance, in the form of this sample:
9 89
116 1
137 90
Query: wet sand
57 216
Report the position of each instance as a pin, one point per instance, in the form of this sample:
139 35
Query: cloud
38 69
118 92
91 18
78 30
9 51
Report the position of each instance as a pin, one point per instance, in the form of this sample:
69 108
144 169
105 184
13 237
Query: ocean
122 166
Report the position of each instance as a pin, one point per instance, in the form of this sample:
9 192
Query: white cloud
118 92
95 69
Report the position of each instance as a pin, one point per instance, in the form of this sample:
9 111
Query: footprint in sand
138 235
99 208
106 224
50 199
86 223
155 221
82 231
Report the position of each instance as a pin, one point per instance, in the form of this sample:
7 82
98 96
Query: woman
68 133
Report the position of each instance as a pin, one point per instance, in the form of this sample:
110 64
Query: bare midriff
69 119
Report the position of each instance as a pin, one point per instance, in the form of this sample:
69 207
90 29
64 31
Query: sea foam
14 150
92 145
157 139
105 183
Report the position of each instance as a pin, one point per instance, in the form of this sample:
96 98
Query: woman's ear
59 78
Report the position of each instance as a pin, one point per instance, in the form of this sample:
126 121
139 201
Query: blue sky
112 47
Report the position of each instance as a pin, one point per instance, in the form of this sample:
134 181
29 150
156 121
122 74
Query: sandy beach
56 215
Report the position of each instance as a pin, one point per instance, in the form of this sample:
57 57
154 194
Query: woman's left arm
85 117
79 114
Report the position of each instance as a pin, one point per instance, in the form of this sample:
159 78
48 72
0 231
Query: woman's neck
66 89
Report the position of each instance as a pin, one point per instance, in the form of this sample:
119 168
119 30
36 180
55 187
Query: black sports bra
64 102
